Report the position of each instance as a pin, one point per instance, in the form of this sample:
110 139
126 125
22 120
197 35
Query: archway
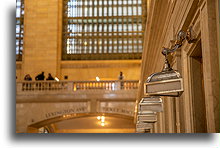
86 123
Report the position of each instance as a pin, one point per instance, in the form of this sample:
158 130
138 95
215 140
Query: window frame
19 42
90 43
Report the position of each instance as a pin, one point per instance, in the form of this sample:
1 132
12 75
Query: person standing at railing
27 86
27 77
121 78
50 77
40 77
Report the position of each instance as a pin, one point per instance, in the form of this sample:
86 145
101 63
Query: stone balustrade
74 86
46 100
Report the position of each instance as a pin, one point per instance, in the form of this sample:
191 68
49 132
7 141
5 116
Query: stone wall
166 18
40 37
43 46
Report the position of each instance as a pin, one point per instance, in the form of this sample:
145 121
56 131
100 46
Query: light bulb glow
57 79
103 124
97 79
103 119
98 117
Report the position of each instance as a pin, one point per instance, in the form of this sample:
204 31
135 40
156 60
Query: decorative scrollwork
181 36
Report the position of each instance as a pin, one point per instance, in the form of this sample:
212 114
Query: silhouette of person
40 77
27 86
50 77
120 78
27 77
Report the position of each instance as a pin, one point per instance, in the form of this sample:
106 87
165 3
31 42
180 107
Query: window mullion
103 27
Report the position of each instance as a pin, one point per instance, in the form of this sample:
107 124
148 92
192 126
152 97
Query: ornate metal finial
181 36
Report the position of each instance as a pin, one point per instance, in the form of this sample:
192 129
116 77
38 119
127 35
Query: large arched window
19 28
103 29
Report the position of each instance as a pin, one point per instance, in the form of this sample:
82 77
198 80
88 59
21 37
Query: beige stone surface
40 41
43 46
105 70
165 19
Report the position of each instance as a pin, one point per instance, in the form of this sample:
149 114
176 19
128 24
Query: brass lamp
168 82
147 113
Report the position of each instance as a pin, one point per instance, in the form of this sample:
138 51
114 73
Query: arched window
103 29
19 28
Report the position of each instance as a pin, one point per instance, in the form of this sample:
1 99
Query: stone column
210 54
40 37
218 21
161 122
186 103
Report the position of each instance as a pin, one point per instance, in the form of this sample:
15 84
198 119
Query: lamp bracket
181 36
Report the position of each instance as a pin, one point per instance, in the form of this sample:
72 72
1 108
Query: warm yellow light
74 89
85 43
103 119
103 124
57 79
98 117
97 79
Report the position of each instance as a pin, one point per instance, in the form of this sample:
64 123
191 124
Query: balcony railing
73 86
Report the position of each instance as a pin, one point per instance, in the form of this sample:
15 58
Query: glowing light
103 119
98 117
103 124
85 43
97 79
74 89
57 79
113 86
